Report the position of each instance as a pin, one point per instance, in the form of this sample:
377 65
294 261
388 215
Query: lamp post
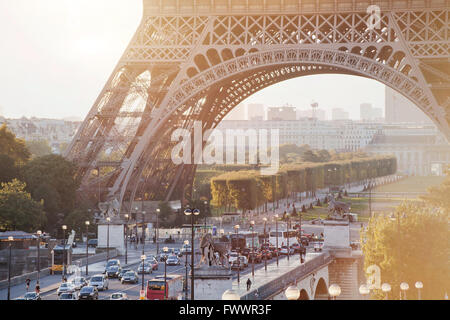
230 295
206 205
265 244
10 240
419 286
364 291
292 293
287 235
165 249
107 240
87 223
276 231
188 212
127 217
404 287
186 243
236 229
252 224
143 231
157 230
386 288
143 257
39 233
335 291
64 228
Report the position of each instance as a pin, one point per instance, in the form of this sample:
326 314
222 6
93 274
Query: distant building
339 114
255 111
420 149
282 113
400 110
238 113
369 113
321 114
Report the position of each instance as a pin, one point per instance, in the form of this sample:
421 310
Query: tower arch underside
214 94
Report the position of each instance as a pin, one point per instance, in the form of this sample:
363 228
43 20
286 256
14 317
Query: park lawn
411 184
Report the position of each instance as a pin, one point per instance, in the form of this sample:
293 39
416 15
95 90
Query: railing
277 285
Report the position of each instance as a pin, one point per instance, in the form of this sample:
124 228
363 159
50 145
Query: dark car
92 243
113 271
129 277
122 272
88 293
255 257
266 254
299 248
32 296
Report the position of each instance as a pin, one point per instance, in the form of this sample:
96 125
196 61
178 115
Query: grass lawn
411 184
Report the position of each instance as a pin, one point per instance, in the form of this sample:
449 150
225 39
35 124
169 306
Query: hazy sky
56 55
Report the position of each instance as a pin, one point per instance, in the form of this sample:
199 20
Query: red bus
155 287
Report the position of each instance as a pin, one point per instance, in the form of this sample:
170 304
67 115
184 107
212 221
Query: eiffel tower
195 60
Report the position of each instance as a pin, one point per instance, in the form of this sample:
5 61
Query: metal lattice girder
196 60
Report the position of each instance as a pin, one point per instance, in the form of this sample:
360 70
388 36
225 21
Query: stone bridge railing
278 284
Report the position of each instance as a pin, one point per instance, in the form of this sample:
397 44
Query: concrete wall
116 237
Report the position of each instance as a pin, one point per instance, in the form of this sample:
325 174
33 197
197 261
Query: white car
65 287
100 281
69 296
118 296
233 257
79 282
318 246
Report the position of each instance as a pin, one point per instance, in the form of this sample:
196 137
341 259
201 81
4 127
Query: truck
156 287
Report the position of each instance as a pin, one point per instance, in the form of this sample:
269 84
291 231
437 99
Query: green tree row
247 190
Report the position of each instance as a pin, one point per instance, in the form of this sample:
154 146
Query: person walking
249 284
38 288
28 281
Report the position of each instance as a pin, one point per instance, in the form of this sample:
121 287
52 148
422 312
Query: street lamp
276 231
165 249
186 243
287 235
189 212
364 290
127 217
143 231
143 257
404 287
87 223
386 288
107 240
206 205
157 230
230 295
292 293
64 228
252 224
39 233
236 229
265 244
419 285
334 290
10 240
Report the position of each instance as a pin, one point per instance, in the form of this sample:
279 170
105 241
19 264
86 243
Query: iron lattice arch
197 60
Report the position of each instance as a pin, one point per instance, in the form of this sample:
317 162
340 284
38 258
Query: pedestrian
38 288
28 281
249 284
65 279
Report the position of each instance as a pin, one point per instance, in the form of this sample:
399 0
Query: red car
153 263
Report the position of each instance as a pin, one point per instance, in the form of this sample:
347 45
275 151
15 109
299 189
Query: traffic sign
142 295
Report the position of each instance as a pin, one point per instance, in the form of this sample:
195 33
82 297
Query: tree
52 178
167 217
38 148
13 147
410 246
8 169
18 211
76 220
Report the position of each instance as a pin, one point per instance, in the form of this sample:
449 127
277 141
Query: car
186 249
318 246
111 263
304 240
113 271
284 251
122 272
92 243
163 255
317 221
88 293
177 252
99 281
118 296
129 277
153 263
145 268
32 296
255 257
79 282
173 260
241 265
266 254
232 256
68 296
299 248
150 257
65 287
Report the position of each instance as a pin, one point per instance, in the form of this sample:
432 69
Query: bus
155 287
58 257
283 237
244 240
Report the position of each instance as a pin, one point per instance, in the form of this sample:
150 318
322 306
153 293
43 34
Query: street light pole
192 213
236 228
165 272
127 217
64 227
252 224
143 257
87 247
39 233
10 240
287 234
186 243
265 245
276 231
143 231
157 230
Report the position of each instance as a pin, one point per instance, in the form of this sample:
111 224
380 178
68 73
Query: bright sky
56 56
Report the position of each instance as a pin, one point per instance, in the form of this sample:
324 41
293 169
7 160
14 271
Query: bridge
196 60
